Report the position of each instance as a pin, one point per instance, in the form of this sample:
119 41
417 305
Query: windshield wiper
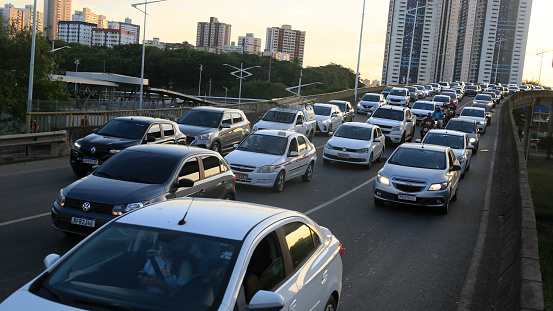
131 179
244 148
103 174
51 292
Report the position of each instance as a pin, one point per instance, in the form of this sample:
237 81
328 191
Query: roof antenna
182 221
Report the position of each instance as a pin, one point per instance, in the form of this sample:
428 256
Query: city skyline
332 32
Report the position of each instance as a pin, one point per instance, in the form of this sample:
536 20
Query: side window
168 129
211 166
348 106
293 146
227 119
451 158
190 170
301 240
236 117
300 119
154 131
302 145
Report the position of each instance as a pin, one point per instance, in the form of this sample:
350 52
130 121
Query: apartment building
54 12
250 44
86 15
286 40
128 26
76 31
213 34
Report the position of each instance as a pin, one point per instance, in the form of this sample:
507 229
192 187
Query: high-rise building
128 26
86 15
285 40
54 12
13 17
250 44
75 31
213 34
111 37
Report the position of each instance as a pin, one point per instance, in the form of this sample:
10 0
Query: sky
332 27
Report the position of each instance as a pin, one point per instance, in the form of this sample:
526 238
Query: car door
293 168
190 169
454 176
238 128
410 126
376 147
214 182
226 133
303 155
336 118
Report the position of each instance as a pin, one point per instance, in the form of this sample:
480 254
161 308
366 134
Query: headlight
77 145
204 136
472 140
61 197
266 169
481 122
123 208
114 150
363 150
383 180
396 128
438 187
329 146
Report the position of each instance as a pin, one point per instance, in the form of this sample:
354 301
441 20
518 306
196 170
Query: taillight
341 250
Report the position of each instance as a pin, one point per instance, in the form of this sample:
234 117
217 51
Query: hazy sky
332 27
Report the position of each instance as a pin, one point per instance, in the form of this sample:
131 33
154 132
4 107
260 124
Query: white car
421 108
396 123
476 114
370 102
268 158
457 141
355 142
399 96
329 117
193 254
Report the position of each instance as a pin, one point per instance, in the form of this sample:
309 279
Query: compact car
348 113
329 117
421 108
457 141
370 102
467 126
400 96
396 123
476 114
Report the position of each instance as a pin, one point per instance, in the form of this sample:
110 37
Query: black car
118 134
346 108
218 129
139 176
386 91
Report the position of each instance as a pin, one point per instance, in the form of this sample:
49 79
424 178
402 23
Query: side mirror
480 131
185 182
456 167
377 140
330 133
225 125
334 114
383 158
50 260
418 140
470 147
293 153
266 301
235 146
150 138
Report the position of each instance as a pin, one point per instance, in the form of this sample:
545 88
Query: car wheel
331 304
402 140
326 161
378 202
445 209
370 164
329 130
454 198
216 147
279 182
308 173
79 172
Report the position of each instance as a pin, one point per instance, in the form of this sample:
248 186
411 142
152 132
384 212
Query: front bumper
256 179
62 216
346 156
424 198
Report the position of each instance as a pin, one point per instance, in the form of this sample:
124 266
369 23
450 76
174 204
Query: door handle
202 192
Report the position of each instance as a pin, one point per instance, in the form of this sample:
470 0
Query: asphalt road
395 258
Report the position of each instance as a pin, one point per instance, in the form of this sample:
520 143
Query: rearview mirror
456 167
293 153
383 158
50 260
185 182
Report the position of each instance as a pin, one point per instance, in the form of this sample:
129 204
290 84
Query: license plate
83 221
241 175
90 161
343 155
407 197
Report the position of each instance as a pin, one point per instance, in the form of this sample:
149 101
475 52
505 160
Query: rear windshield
423 106
398 92
371 97
467 127
354 132
483 97
452 141
473 113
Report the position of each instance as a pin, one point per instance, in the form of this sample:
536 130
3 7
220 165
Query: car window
322 111
443 139
190 170
200 117
279 116
451 158
354 132
422 158
300 119
227 119
211 165
168 129
389 114
293 146
124 129
154 131
302 145
301 241
236 117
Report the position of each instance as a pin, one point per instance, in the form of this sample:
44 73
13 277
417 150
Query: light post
200 83
31 67
143 46
541 62
226 91
413 36
57 49
359 54
241 77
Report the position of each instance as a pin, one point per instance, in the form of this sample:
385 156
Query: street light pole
541 62
359 54
497 59
31 66
240 70
200 83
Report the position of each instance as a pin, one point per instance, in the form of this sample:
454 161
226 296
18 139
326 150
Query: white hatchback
329 117
458 142
355 142
268 158
193 255
476 114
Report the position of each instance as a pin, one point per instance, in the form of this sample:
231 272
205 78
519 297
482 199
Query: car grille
408 188
101 154
342 149
242 168
394 100
95 207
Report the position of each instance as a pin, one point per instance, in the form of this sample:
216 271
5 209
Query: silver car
421 175
457 141
468 126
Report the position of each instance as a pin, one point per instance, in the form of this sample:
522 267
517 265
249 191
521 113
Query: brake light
341 250
234 177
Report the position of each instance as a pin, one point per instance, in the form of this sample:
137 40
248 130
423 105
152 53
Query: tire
79 172
329 130
308 173
370 164
331 304
229 196
279 182
454 197
216 147
378 202
468 165
445 209
326 161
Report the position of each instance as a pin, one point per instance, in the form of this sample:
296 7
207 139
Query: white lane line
23 219
340 196
470 282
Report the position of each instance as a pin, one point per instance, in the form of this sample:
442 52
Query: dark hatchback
139 176
118 134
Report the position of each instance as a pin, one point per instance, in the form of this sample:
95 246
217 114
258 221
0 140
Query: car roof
425 102
359 124
336 101
294 111
218 109
461 120
474 108
324 105
392 107
447 131
399 88
218 218
281 133
139 119
170 150
423 146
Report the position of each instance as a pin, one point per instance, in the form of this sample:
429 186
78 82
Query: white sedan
193 255
268 158
355 142
329 117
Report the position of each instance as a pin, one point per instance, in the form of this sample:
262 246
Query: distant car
298 119
467 126
399 96
514 89
444 85
118 134
329 117
355 142
421 175
139 176
460 93
538 88
484 99
421 108
268 158
193 254
422 91
386 91
488 111
437 88
473 90
442 100
429 90
370 102
454 97
457 141
476 114
414 92
396 123
218 129
347 110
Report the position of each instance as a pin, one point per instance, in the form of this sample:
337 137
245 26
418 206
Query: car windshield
279 116
471 87
421 158
398 92
388 88
473 113
423 106
371 97
201 118
354 132
340 105
451 95
389 114
486 107
268 144
322 110
111 271
466 127
483 97
124 129
139 167
412 89
452 141
441 99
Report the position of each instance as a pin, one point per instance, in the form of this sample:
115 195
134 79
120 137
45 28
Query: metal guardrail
55 139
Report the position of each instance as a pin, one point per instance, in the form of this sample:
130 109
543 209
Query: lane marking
340 196
23 219
465 300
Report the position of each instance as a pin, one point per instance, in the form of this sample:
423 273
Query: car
476 114
347 110
268 158
457 141
467 126
118 134
386 91
538 88
422 91
419 175
429 90
421 108
454 97
218 129
460 93
193 254
514 89
437 88
473 90
355 142
444 85
329 117
547 88
397 123
442 100
399 96
495 98
138 176
483 99
488 111
414 92
297 118
370 102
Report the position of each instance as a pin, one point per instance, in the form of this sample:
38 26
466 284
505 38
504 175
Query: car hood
421 111
380 121
194 130
482 101
22 299
111 191
253 158
348 142
477 119
273 125
108 142
367 103
414 173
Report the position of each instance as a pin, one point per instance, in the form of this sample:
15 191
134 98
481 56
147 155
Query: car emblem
343 149
93 150
86 206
